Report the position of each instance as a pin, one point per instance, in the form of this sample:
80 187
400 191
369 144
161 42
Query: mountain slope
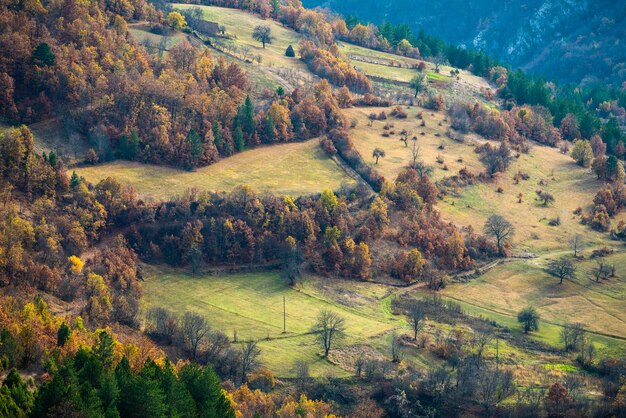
573 40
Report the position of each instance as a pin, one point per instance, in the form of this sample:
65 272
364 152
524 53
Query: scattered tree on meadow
582 153
418 84
529 318
289 52
262 34
416 315
546 198
496 159
572 336
329 328
576 244
500 229
563 268
378 152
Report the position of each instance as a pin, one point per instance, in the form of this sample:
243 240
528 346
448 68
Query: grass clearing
550 171
502 292
397 156
240 24
296 169
141 33
252 304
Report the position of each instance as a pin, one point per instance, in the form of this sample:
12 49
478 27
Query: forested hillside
572 41
252 209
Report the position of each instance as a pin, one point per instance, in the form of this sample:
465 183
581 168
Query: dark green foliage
8 348
612 134
280 91
84 385
63 334
195 146
129 146
612 167
43 55
246 123
217 137
74 180
270 130
290 52
240 144
53 159
15 398
529 318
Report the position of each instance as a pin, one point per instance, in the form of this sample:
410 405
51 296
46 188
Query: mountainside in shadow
576 41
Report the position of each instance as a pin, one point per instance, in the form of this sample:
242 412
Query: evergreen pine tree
239 142
217 137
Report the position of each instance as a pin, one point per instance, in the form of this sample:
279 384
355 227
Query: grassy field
397 156
295 169
240 25
252 305
143 36
502 292
549 170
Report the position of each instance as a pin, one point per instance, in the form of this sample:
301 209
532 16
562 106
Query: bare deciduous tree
396 348
576 244
494 386
194 329
329 328
563 268
500 229
250 353
416 315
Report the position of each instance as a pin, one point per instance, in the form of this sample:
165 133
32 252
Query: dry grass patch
509 288
550 171
295 169
366 138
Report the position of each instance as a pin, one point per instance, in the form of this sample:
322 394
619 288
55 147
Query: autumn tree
262 34
570 129
329 328
176 20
